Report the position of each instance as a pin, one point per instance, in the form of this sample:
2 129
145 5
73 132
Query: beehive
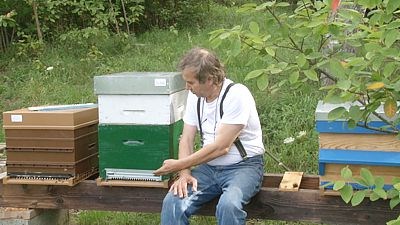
340 146
60 143
140 121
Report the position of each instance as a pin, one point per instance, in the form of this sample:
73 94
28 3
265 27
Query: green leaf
275 70
394 202
294 77
397 186
394 24
314 55
356 61
254 28
338 185
391 37
270 51
344 84
346 193
311 74
236 46
282 4
379 182
393 193
355 113
361 181
369 55
392 5
358 197
372 47
336 113
301 60
351 124
389 68
262 82
373 197
225 35
254 74
337 69
367 175
346 173
380 192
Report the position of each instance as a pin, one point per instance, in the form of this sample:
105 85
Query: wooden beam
305 205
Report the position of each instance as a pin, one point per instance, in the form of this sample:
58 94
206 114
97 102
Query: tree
309 44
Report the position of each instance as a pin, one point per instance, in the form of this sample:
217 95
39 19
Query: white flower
288 140
301 134
49 68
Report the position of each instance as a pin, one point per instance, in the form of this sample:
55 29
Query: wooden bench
306 204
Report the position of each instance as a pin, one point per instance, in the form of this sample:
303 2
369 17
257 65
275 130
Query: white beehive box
150 98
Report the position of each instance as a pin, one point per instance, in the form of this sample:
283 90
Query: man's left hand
169 166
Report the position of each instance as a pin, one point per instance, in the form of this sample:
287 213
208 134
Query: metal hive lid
139 83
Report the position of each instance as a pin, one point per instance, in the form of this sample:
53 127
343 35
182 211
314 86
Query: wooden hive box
340 146
51 142
140 121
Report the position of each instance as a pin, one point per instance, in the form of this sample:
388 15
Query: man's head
204 64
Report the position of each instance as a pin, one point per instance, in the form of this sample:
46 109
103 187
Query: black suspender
237 142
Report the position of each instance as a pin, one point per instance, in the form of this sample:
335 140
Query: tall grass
26 79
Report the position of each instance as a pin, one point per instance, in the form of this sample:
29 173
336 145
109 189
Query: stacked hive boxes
51 145
358 148
140 121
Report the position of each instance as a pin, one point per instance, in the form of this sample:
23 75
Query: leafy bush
312 42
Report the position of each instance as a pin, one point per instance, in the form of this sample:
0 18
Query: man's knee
230 203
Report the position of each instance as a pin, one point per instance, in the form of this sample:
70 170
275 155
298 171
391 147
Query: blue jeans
235 184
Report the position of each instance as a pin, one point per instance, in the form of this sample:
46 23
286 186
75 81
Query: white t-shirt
239 108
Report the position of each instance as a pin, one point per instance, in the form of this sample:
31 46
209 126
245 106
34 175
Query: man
222 171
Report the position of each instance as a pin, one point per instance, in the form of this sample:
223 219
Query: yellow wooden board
291 181
367 142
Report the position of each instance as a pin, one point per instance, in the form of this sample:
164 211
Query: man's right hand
179 187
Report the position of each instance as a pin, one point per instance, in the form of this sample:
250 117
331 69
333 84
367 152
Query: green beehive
140 121
137 147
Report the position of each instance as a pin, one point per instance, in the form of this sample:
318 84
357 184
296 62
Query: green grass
24 82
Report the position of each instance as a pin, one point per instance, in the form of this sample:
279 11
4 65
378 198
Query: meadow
62 71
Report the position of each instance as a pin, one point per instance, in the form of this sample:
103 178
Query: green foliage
167 13
359 55
374 189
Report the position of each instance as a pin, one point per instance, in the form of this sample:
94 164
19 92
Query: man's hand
179 187
169 166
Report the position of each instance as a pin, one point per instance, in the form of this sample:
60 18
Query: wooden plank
291 181
366 142
132 183
305 205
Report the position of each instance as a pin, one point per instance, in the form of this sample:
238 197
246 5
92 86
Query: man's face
193 85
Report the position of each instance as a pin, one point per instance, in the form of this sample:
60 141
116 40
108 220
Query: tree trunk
115 18
126 19
35 14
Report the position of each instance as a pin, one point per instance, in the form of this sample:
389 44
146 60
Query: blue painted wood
357 186
342 127
357 157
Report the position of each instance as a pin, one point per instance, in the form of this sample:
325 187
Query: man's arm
186 142
227 134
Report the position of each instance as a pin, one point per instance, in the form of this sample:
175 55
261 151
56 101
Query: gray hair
204 64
